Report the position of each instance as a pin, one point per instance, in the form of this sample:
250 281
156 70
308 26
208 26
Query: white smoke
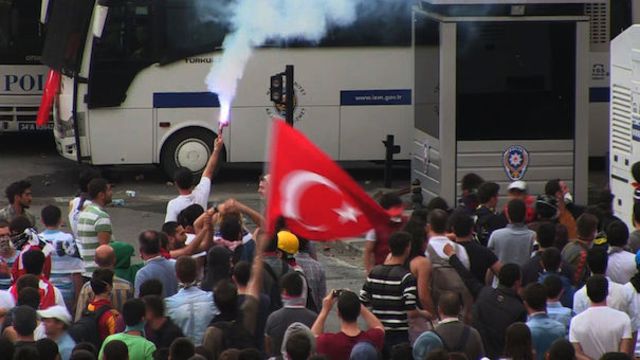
253 22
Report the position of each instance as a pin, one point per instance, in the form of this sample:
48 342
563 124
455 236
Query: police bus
21 73
132 86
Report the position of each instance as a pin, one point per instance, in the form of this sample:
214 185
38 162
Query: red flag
51 87
316 197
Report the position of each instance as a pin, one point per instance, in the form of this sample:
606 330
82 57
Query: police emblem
515 161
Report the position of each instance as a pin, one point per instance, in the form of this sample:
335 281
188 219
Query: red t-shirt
338 346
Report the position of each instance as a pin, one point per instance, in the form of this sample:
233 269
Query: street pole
290 94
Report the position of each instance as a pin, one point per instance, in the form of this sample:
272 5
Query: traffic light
277 88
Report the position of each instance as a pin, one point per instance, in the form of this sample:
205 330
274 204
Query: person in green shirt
133 335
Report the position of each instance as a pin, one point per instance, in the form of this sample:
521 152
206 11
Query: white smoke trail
255 21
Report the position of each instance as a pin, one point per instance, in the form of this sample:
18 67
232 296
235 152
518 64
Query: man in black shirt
487 220
241 276
481 259
531 271
494 309
160 330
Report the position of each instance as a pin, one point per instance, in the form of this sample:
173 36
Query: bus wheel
188 148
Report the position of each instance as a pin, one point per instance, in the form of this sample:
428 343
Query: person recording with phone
339 345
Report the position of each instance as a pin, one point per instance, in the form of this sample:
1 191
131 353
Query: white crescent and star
293 187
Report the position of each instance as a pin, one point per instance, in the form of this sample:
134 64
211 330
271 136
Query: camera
336 293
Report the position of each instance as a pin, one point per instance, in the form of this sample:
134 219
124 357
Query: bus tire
190 148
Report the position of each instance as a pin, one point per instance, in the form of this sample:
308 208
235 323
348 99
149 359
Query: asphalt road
33 156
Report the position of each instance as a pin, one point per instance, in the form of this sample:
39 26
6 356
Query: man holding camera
339 345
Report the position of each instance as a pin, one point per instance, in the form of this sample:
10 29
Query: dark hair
438 221
242 272
115 350
154 304
86 346
163 239
390 200
509 274
586 226
517 210
186 269
189 215
97 186
437 203
487 191
225 295
19 224
617 233
47 349
471 181
562 349
133 311
204 352
85 178
597 259
615 355
546 235
183 178
535 295
554 286
29 297
16 189
401 351
421 215
51 215
440 354
551 259
7 347
597 288
82 354
100 280
418 236
181 349
636 211
149 242
461 223
33 261
24 320
398 242
348 306
170 227
27 281
231 228
151 287
552 187
449 303
518 342
27 353
249 354
298 346
546 207
292 283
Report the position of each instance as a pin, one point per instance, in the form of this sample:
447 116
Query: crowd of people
538 278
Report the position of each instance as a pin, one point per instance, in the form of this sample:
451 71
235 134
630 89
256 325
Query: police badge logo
515 161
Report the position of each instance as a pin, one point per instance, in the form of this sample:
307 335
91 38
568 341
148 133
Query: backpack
275 292
86 328
235 335
462 341
445 278
311 304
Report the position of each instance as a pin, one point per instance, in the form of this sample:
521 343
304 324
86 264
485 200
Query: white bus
22 75
133 92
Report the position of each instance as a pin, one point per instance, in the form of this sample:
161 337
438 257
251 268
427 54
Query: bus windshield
20 32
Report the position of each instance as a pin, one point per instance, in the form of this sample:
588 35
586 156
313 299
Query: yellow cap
288 242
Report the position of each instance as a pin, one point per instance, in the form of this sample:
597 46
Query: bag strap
464 337
270 271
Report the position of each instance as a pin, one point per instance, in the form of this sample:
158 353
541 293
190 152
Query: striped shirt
390 291
92 220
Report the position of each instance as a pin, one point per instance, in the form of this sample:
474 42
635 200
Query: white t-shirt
621 265
599 330
190 238
6 300
74 213
199 195
621 297
437 243
65 258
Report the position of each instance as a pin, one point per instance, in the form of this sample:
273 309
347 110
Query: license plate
32 127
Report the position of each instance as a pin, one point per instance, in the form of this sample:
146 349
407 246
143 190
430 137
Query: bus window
512 90
188 28
124 49
621 16
426 87
20 40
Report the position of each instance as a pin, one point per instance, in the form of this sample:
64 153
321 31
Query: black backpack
275 292
86 329
462 341
235 335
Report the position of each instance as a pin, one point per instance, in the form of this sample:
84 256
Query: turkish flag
317 199
51 87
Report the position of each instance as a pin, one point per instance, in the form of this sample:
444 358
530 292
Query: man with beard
20 197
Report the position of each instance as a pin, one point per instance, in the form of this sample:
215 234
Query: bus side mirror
44 9
100 16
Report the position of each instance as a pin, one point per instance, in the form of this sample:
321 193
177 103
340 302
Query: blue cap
427 342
